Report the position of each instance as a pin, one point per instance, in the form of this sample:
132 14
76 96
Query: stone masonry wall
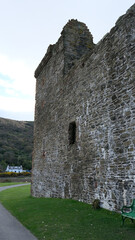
97 95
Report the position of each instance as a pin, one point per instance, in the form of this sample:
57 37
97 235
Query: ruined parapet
75 41
44 61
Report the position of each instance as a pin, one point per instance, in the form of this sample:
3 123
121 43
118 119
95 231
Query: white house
17 169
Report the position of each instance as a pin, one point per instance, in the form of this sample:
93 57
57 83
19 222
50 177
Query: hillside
16 143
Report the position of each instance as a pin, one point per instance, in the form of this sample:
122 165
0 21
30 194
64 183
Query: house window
72 132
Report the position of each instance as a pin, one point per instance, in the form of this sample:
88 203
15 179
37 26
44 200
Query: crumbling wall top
77 41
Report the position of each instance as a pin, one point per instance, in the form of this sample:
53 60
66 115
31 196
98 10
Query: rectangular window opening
72 133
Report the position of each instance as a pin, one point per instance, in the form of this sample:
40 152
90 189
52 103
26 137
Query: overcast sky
27 28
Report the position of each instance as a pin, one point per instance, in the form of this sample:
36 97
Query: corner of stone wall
44 61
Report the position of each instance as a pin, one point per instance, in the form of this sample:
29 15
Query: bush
96 204
14 174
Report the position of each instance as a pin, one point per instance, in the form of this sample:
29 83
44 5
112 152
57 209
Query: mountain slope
16 143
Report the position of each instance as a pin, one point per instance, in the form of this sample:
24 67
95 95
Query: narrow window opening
43 147
72 133
83 64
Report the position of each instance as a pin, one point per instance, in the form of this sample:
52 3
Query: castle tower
84 136
75 42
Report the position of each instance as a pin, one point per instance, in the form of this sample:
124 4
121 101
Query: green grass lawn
10 183
59 219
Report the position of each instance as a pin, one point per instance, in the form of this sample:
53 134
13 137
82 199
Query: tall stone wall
84 145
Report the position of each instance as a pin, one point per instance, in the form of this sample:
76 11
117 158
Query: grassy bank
58 219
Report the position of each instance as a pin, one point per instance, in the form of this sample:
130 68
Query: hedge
14 174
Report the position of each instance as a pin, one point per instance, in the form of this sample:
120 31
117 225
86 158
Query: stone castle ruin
84 140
